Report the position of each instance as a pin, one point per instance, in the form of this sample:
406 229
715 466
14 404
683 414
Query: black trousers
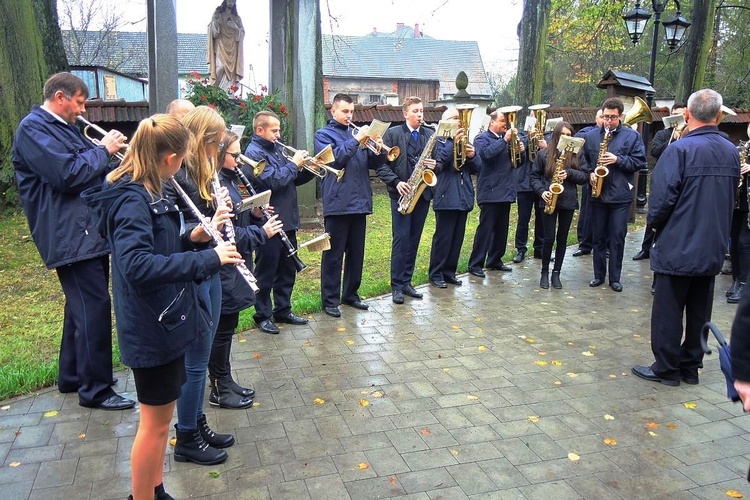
674 296
491 237
407 231
348 251
559 220
584 229
221 349
739 250
609 227
275 273
528 201
648 239
86 347
450 227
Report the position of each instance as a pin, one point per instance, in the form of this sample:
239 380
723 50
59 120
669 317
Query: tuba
510 113
464 122
537 133
638 112
566 146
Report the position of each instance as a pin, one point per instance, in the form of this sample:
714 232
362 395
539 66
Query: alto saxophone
601 171
420 178
555 187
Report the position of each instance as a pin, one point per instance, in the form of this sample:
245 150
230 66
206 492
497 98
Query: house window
110 87
355 97
375 98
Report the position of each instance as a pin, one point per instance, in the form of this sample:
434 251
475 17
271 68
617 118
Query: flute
214 233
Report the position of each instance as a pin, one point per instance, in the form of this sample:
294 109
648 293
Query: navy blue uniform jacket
568 200
281 176
159 314
391 173
495 182
353 195
692 198
54 163
627 145
454 189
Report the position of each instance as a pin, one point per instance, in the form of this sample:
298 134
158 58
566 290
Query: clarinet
291 251
214 233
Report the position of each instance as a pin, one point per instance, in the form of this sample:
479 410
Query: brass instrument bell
535 135
257 166
464 122
510 112
638 112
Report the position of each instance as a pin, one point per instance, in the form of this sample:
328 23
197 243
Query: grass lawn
31 308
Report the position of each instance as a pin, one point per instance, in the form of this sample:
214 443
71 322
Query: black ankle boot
191 447
733 288
735 297
223 396
160 494
556 283
544 281
237 388
214 440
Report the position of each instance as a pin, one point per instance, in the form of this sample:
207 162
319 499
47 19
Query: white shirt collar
55 115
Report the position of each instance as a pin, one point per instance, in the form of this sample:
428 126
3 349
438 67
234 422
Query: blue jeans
190 403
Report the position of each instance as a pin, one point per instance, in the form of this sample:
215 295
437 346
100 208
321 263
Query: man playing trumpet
273 270
346 205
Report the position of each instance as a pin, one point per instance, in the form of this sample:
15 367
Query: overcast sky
494 29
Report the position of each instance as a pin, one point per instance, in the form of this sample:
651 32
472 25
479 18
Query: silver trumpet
88 125
318 164
374 146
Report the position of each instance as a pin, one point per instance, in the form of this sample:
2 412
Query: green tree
30 50
532 34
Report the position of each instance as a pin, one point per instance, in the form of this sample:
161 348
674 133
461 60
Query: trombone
375 146
316 165
88 125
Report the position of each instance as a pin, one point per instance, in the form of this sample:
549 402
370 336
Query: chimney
399 26
416 30
375 30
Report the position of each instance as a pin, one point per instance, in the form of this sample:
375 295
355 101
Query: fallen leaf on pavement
533 418
573 457
587 353
319 401
540 363
652 425
363 466
610 441
14 464
557 363
364 402
50 414
256 355
690 405
425 432
472 397
608 417
734 494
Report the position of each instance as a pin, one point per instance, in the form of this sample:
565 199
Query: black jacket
495 182
627 145
391 173
158 310
454 189
353 195
568 199
281 176
53 164
692 198
660 142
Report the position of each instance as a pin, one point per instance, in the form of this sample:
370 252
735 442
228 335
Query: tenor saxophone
601 171
420 178
555 187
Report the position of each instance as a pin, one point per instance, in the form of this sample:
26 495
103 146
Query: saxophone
601 171
420 178
555 187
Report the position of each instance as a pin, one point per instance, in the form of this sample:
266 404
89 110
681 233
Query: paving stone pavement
481 391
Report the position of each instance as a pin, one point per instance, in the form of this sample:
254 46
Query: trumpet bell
393 153
638 112
257 166
318 244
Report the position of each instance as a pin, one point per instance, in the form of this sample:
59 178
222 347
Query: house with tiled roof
384 68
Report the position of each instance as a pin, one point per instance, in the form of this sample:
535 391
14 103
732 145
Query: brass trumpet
515 143
88 125
318 164
375 146
257 166
537 132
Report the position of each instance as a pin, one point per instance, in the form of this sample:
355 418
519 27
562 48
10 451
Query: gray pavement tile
718 491
18 490
419 418
429 459
30 437
475 452
78 490
426 480
386 461
364 442
303 469
247 478
591 487
20 473
471 478
275 451
326 488
301 431
436 436
649 484
707 473
560 490
85 448
504 474
259 433
691 455
36 454
415 405
454 493
94 468
406 440
317 448
378 487
292 489
57 473
353 466
466 435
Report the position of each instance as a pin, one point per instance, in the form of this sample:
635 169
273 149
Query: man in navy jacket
346 205
692 197
496 190
411 138
583 229
273 270
54 163
624 156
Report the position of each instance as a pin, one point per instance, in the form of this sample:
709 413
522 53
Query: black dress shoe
357 304
502 267
291 319
439 283
691 379
616 286
452 280
519 256
112 403
646 373
114 381
398 297
640 255
477 272
596 282
580 252
332 311
268 326
411 292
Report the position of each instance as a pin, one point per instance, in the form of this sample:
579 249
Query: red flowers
257 98
282 109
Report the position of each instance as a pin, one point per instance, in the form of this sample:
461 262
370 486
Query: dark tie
415 137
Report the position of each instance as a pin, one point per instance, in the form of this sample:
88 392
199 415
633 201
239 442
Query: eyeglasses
236 156
609 118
